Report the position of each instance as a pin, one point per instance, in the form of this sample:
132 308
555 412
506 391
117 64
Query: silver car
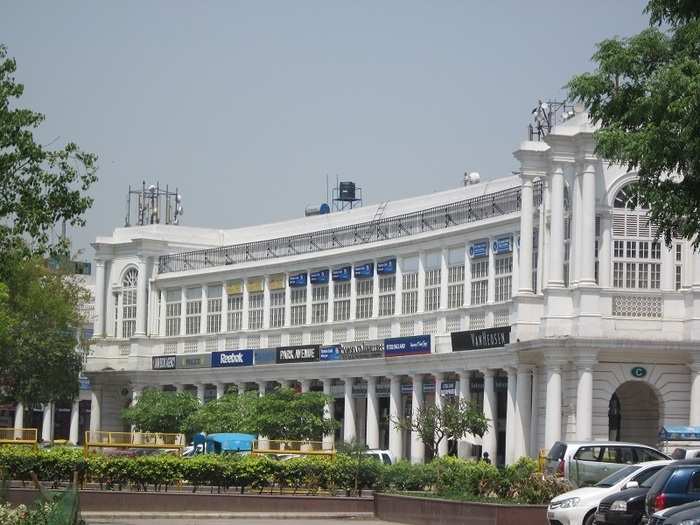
586 463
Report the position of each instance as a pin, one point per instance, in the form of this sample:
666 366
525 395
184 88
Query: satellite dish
471 178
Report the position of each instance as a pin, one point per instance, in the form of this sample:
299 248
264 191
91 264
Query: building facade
544 297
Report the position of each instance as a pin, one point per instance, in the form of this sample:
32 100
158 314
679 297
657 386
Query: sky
247 107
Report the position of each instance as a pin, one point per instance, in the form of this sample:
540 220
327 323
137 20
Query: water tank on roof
346 191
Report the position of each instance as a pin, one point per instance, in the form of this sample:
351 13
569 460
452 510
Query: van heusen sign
478 339
297 354
359 350
164 362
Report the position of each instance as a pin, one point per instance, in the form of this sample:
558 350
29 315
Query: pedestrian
485 458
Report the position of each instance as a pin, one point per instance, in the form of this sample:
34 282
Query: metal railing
439 217
304 447
18 436
105 439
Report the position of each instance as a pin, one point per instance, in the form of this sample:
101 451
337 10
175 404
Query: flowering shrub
21 515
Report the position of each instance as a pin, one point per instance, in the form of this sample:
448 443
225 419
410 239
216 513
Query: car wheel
589 519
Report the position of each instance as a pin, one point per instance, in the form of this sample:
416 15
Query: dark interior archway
634 414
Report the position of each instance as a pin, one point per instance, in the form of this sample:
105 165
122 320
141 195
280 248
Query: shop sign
479 249
194 361
500 383
165 362
297 354
638 372
503 245
476 384
319 277
428 388
356 350
341 274
364 270
297 280
397 346
330 353
386 267
234 287
255 285
231 358
276 282
265 356
479 339
448 387
406 388
84 383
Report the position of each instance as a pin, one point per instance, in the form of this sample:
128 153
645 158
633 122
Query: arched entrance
633 414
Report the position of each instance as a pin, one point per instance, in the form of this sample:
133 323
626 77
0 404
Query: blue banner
503 245
386 267
364 270
341 274
232 358
330 353
397 346
84 383
320 277
265 356
297 280
479 249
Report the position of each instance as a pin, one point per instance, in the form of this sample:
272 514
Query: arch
635 407
130 279
618 184
628 198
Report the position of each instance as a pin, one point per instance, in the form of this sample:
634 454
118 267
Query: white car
577 507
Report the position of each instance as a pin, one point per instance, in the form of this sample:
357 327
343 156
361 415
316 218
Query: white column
141 303
587 217
220 390
467 277
694 418
328 439
47 423
263 441
584 400
372 437
555 268
179 388
19 418
224 308
439 378
523 400
417 445
605 251
464 446
444 271
183 310
512 437
394 415
266 302
552 422
73 435
525 259
99 326
205 310
534 414
305 385
200 392
349 431
95 412
491 293
421 282
489 438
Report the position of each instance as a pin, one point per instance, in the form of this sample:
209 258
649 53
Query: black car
674 485
625 507
688 514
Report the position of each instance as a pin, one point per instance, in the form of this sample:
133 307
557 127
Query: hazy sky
247 106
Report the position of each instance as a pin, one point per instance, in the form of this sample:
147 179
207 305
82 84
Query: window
480 281
432 290
407 328
340 335
116 315
361 333
193 310
317 336
296 339
567 249
364 289
214 309
588 454
535 257
477 320
319 306
235 312
173 311
409 294
341 301
504 278
387 295
277 300
129 284
256 303
298 302
455 286
384 331
678 257
253 342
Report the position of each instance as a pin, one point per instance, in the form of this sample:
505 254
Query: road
235 521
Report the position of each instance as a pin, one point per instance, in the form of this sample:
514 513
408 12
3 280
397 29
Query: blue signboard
330 353
503 245
479 249
679 433
297 280
264 356
417 344
232 358
341 274
386 267
320 277
364 270
84 383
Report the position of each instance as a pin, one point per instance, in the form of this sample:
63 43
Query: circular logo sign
639 372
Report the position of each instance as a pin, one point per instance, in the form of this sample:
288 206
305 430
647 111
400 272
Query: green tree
645 95
158 411
39 187
230 413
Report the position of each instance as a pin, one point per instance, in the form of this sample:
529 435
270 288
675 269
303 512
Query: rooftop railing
431 219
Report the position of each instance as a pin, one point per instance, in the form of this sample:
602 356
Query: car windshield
650 480
618 476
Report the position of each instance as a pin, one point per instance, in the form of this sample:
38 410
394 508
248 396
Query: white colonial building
544 297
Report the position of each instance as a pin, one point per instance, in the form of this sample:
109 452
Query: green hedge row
450 477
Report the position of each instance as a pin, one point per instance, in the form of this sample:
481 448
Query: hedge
448 477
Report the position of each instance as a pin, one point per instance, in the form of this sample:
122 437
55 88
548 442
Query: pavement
116 520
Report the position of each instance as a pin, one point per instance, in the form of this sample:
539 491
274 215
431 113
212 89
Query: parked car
383 456
625 507
676 484
586 463
687 514
685 453
577 507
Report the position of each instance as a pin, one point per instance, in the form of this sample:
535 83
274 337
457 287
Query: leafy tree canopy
158 411
230 413
645 95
